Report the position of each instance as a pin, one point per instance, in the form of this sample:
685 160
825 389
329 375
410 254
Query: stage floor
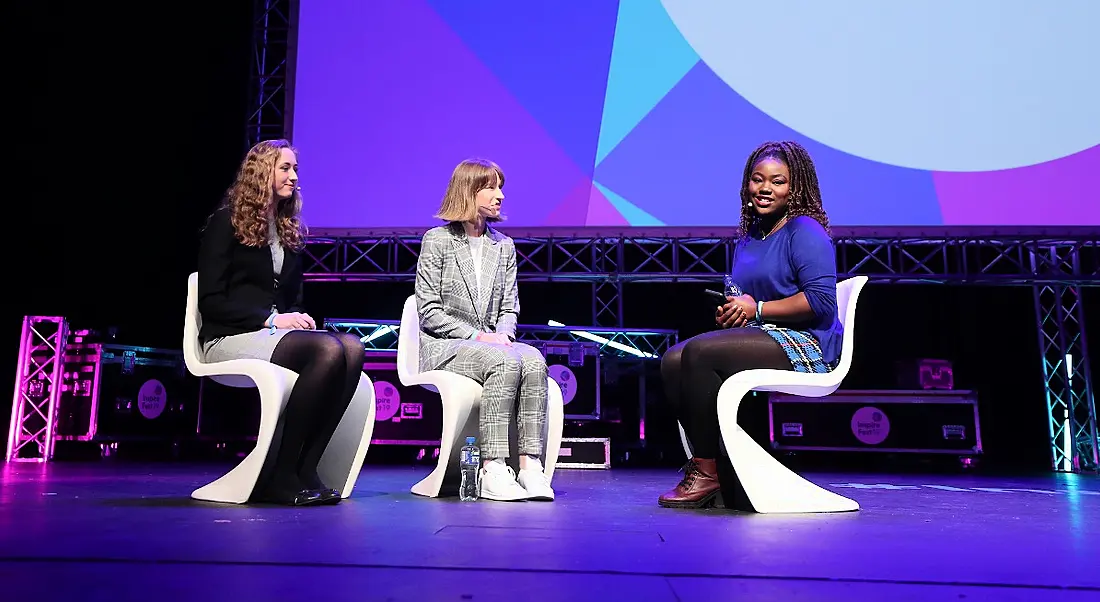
78 531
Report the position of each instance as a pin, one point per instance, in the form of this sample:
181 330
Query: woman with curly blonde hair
250 299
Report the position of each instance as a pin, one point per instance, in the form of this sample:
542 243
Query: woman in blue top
785 264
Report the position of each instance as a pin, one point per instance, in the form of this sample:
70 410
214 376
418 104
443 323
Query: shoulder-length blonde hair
471 176
250 196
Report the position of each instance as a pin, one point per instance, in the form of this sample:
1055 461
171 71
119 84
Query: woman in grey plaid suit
468 302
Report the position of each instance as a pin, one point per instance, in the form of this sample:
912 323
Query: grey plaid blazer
451 305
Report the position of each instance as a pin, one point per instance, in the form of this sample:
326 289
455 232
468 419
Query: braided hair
805 195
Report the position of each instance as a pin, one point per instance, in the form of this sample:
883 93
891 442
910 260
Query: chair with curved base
343 458
768 485
461 398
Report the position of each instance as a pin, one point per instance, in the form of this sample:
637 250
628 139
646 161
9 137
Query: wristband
759 312
271 319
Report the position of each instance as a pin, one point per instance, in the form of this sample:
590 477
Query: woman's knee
670 361
513 361
505 359
353 348
698 352
532 362
327 349
536 368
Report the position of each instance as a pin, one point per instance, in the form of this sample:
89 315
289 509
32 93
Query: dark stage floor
82 531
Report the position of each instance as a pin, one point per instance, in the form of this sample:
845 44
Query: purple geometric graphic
553 57
390 96
573 210
1055 193
586 205
683 164
398 100
601 212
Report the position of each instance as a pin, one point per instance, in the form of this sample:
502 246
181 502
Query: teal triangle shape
648 58
635 215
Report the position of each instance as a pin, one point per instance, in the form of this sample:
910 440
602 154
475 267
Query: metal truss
381 335
273 44
1067 375
37 389
611 258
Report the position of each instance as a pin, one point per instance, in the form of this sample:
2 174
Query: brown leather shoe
698 489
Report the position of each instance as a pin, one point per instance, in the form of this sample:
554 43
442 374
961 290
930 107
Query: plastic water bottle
471 464
732 290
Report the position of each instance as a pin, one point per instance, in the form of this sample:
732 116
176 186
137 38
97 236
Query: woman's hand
747 305
294 321
729 315
494 338
737 312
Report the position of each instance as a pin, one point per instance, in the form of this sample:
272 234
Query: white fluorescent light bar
603 341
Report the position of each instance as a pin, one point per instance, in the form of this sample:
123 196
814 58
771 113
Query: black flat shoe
305 497
313 483
329 496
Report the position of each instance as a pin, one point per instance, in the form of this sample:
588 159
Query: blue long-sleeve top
798 258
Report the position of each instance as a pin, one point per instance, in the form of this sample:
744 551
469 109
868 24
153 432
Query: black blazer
237 284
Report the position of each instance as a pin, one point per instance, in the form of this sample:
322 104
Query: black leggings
694 370
328 366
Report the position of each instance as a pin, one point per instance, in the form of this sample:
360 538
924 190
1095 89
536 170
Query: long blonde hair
469 177
251 194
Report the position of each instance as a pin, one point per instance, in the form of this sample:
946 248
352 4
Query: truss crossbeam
611 261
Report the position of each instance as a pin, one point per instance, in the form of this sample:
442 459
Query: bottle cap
470 440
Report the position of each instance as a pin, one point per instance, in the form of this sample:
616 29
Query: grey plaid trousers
507 374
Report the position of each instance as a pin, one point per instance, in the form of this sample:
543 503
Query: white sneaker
498 482
536 484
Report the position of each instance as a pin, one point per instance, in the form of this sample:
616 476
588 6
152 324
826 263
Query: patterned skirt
802 348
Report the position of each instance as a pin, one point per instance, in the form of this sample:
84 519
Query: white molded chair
343 458
461 398
769 486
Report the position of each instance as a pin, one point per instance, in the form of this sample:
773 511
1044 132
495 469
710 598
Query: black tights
694 370
328 366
